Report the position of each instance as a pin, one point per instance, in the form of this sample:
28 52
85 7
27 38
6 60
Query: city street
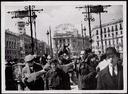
51 45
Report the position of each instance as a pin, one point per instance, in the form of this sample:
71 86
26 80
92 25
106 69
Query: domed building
68 34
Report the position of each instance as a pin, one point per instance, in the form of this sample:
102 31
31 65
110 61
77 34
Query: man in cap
85 72
56 78
111 77
30 72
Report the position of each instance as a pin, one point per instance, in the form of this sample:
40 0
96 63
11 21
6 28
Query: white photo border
3 4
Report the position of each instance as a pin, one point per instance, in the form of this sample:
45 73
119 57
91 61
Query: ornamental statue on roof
65 28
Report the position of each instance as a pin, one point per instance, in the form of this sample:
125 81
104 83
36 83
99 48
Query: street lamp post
34 16
101 35
32 44
48 36
82 35
50 41
28 12
88 18
94 9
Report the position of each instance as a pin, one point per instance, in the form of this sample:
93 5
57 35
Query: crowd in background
88 71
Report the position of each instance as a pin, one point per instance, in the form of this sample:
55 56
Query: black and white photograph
63 47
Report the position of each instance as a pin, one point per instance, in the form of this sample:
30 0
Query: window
108 29
116 33
121 26
11 44
7 44
121 40
64 40
121 32
117 40
112 34
116 29
97 37
104 30
105 35
97 32
108 35
98 43
60 41
109 43
68 40
113 42
112 28
105 42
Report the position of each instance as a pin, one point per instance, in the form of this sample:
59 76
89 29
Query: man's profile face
111 54
115 59
53 66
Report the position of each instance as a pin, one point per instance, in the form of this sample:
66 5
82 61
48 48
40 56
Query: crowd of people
88 71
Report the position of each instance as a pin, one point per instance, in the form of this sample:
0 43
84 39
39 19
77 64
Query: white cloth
29 58
103 64
27 74
111 69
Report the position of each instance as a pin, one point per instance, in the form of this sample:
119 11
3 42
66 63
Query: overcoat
106 82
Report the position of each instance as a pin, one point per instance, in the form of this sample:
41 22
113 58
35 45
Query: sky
59 13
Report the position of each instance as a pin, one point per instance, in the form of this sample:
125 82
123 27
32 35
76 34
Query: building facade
11 45
112 35
15 49
67 34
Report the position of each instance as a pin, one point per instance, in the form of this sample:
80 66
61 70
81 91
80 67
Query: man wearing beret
30 74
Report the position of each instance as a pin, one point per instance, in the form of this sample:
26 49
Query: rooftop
110 23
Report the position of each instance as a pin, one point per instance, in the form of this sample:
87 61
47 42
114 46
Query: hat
55 61
29 58
111 50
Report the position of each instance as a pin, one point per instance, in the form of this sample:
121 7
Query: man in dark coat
56 77
10 83
111 78
28 70
86 74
